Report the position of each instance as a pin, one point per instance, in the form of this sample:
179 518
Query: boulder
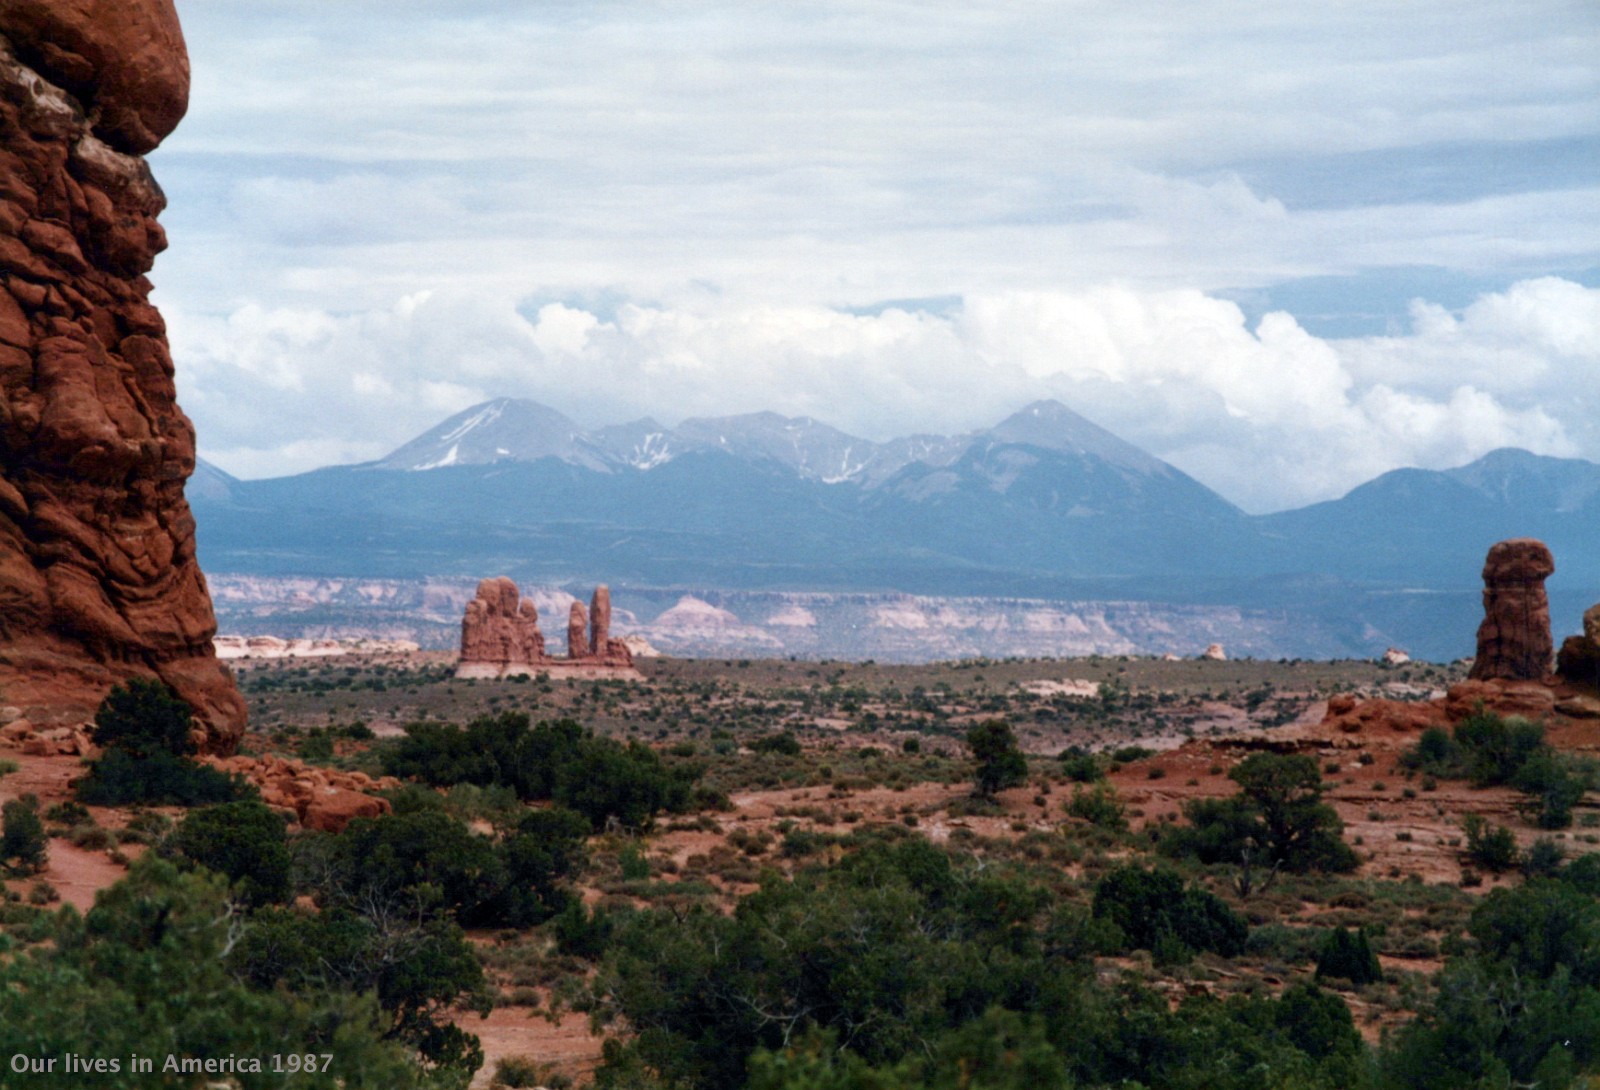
1346 715
1529 699
1579 659
1514 639
330 809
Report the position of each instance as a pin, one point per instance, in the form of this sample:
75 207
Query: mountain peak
503 429
1052 426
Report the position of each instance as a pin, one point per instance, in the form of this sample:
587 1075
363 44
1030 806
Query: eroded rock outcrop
98 579
602 647
500 636
318 798
1514 639
577 632
501 629
1579 660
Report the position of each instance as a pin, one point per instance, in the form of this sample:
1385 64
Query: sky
1285 247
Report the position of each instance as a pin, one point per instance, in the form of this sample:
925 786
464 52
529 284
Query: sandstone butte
500 637
98 577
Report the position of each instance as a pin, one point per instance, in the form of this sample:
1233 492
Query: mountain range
1044 505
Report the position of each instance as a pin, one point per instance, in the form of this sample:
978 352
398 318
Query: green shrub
143 718
1496 748
69 813
161 779
598 777
1000 764
628 784
1152 906
1436 754
1099 806
1081 767
145 971
1491 848
635 867
783 743
144 729
243 841
580 932
1543 859
317 746
23 846
1583 874
1277 816
1218 831
1346 955
1553 787
1298 830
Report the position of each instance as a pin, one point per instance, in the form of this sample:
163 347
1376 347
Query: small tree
244 841
1298 829
144 729
1099 806
23 847
1000 763
1347 955
1493 848
1153 908
143 718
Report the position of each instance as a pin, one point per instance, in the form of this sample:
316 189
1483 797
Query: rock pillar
577 632
1514 639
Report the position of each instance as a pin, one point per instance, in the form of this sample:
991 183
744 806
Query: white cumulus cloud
1269 415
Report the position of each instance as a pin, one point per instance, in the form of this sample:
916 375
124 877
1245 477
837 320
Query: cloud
384 212
339 155
1271 416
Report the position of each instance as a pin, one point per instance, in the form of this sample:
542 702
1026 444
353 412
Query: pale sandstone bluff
98 579
500 638
276 647
1514 639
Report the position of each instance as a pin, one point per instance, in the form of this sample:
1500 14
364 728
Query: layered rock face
1514 639
500 636
98 579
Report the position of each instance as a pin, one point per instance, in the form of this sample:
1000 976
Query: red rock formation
599 619
1514 639
577 632
499 631
500 637
1579 661
318 798
98 579
604 649
1347 715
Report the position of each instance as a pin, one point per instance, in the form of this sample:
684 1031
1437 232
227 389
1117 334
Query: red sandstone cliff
98 579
